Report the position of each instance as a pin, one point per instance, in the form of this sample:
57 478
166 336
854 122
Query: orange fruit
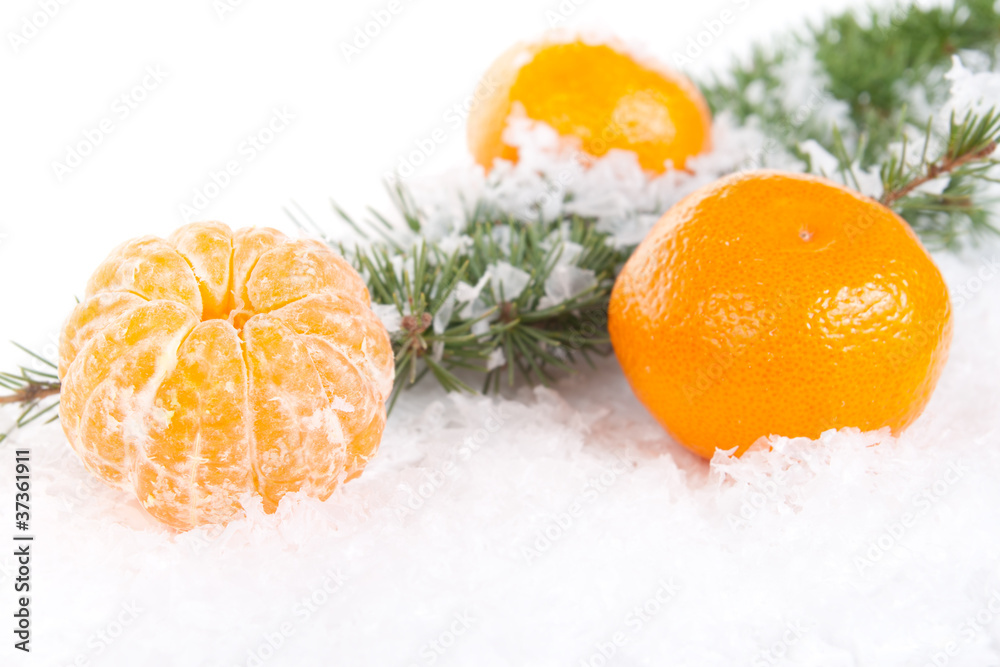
213 363
596 96
779 304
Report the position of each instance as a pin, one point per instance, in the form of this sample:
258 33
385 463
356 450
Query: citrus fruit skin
215 362
779 304
597 97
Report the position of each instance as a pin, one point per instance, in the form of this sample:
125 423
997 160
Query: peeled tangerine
216 362
596 96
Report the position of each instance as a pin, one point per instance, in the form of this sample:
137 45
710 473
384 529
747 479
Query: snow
975 92
553 526
551 177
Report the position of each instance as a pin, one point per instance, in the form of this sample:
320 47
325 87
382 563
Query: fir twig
33 390
455 318
958 214
29 389
935 170
970 142
873 65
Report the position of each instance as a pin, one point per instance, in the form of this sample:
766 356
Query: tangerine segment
107 383
598 97
198 440
91 317
365 444
359 409
193 399
148 267
356 331
208 248
298 269
297 433
782 304
248 246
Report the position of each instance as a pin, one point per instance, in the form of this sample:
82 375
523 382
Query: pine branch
874 61
967 152
455 318
29 389
873 64
32 391
935 170
958 214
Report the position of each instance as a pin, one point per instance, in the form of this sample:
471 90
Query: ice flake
497 359
977 92
564 283
389 315
508 281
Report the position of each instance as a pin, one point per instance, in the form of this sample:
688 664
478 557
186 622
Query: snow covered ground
548 527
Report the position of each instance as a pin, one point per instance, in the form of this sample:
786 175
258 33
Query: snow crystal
497 359
564 283
443 316
508 281
469 295
389 315
972 91
823 162
552 177
867 181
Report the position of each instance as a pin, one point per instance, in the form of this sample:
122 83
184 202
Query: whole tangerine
771 303
214 362
597 96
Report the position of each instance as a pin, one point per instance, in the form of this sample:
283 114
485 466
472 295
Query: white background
226 70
